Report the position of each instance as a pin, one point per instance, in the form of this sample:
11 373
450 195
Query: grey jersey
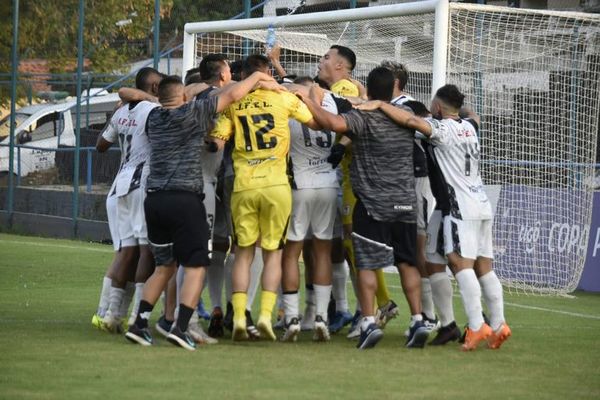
457 154
177 139
382 166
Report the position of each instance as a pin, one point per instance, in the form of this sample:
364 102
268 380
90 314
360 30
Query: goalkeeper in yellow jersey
261 201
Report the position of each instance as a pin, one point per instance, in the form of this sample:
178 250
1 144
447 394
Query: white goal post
534 78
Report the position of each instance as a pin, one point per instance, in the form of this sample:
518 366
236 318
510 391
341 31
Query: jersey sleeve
343 105
206 108
355 122
298 110
439 132
110 133
345 88
223 127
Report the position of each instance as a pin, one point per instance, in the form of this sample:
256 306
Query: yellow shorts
348 201
261 213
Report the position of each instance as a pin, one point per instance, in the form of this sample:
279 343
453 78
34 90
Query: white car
46 126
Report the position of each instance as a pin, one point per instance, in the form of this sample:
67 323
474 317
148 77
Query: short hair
165 87
210 66
193 76
399 70
142 78
303 79
417 107
255 62
380 84
347 54
450 95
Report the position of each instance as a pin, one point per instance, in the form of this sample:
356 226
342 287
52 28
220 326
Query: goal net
533 78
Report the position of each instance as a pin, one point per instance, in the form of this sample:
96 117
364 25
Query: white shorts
425 204
313 211
131 219
468 238
111 214
434 247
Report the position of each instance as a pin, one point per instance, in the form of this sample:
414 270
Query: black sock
143 314
183 319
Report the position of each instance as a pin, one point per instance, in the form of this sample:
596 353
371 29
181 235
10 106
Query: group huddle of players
231 183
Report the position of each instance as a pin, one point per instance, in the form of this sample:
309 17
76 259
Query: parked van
46 126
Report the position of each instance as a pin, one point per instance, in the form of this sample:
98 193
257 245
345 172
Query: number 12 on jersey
257 119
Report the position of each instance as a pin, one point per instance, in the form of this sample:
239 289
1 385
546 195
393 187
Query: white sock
427 298
415 318
115 300
215 278
366 321
339 281
104 297
129 290
255 274
471 297
494 298
290 305
322 295
441 292
137 297
228 267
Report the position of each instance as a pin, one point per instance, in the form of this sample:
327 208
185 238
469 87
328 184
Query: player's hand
270 85
275 53
316 93
336 155
369 105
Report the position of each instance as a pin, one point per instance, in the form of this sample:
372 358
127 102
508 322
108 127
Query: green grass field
49 350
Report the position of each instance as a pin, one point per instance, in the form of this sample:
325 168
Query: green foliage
49 291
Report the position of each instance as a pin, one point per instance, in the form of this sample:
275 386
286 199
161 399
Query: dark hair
142 78
380 84
167 84
236 70
253 63
450 95
347 54
210 66
303 79
417 107
321 83
399 70
193 76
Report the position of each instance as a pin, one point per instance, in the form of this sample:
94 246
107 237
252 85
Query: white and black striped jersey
458 157
419 160
309 150
128 126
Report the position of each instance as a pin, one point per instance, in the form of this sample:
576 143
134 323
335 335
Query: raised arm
235 92
129 95
466 112
399 116
274 55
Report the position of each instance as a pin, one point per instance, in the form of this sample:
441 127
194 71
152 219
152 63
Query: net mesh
533 79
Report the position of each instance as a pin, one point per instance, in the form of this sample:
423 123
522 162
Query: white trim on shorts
424 197
435 239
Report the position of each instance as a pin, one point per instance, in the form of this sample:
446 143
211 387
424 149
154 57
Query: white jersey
309 151
403 98
128 125
457 153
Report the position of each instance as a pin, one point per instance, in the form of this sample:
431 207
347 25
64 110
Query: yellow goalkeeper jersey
345 88
259 125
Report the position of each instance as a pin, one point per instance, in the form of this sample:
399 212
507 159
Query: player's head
447 100
336 64
147 79
380 84
170 91
255 63
193 76
418 108
215 69
400 73
304 80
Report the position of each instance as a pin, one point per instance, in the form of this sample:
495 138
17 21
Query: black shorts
177 228
379 244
